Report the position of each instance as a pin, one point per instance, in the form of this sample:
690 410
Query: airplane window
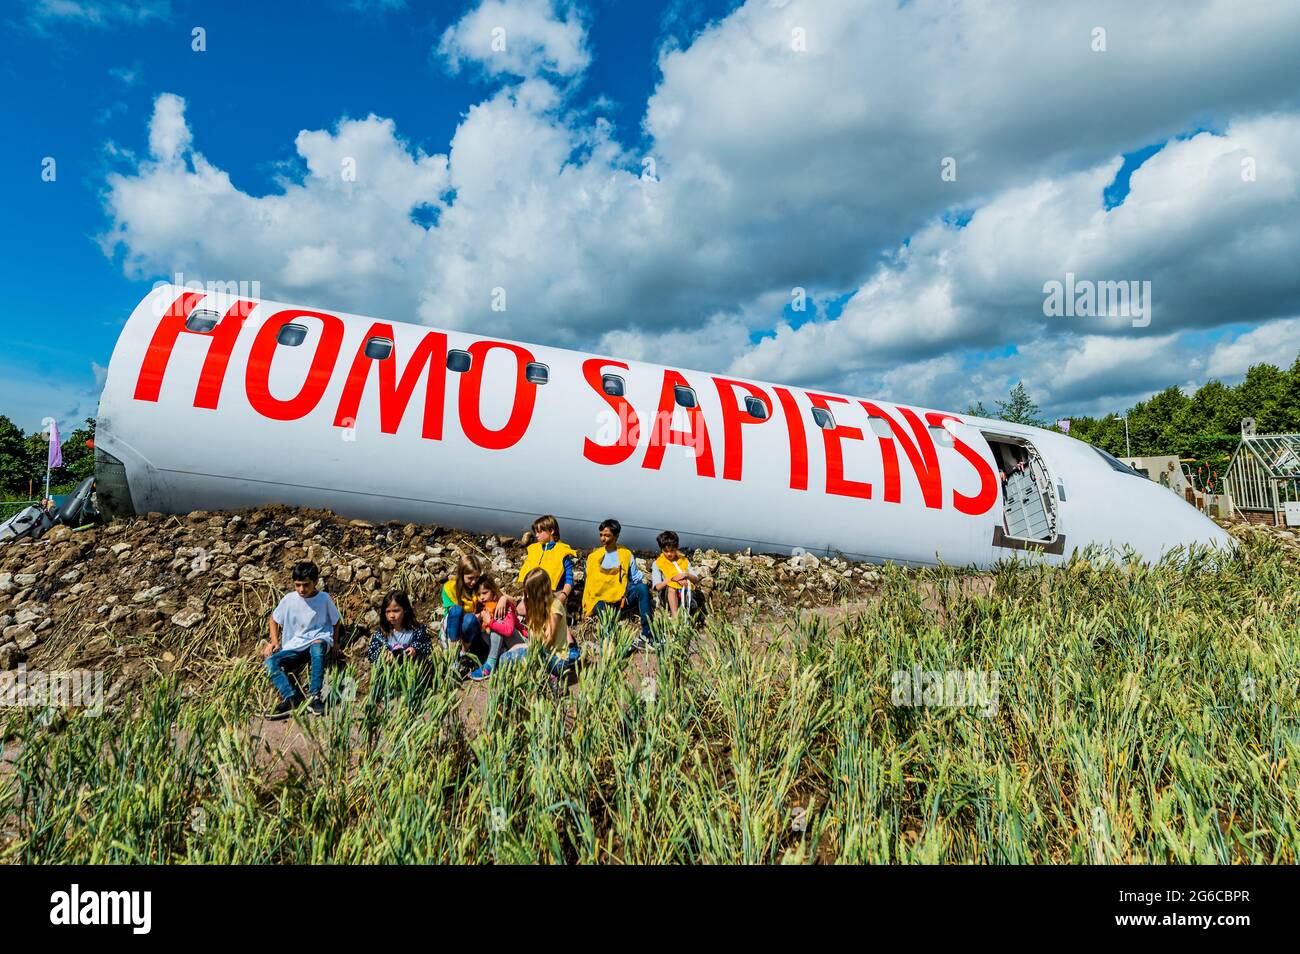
756 408
536 373
292 335
942 436
378 348
458 361
1117 464
685 397
202 320
880 427
612 385
825 420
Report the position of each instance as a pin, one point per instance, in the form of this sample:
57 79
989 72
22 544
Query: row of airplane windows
202 321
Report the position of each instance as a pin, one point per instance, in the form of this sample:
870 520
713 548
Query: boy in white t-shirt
304 625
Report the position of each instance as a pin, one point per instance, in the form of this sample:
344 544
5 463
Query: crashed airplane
218 402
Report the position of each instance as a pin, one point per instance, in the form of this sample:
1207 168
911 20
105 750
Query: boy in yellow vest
614 586
550 554
672 573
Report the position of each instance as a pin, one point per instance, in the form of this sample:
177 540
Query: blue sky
795 147
268 71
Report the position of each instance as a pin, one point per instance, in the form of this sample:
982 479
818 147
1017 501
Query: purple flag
56 449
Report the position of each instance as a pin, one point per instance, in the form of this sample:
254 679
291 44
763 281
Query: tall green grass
1143 715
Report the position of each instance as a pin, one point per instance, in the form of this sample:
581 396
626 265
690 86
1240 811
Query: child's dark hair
549 524
612 525
667 539
485 579
408 613
306 572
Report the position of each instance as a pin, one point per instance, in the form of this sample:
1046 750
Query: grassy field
1138 715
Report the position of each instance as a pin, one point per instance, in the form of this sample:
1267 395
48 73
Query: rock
342 573
59 534
72 576
250 573
805 561
24 636
189 617
30 615
228 570
7 583
25 579
360 524
387 563
415 559
149 595
10 656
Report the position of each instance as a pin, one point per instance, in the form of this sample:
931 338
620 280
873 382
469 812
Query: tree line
23 458
1204 427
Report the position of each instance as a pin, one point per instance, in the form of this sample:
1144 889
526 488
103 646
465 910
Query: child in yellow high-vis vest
614 586
549 553
672 574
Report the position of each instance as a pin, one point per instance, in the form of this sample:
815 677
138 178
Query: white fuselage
241 413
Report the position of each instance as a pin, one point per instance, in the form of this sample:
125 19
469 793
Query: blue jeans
276 662
637 597
461 625
464 627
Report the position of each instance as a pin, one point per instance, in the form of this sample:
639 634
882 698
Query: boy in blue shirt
304 625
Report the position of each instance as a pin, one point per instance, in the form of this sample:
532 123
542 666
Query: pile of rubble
134 586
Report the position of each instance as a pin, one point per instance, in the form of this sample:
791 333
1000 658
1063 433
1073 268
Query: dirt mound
161 593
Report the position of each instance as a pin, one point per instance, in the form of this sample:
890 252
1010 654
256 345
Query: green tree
13 468
1020 408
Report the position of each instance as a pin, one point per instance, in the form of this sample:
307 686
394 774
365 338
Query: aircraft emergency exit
218 402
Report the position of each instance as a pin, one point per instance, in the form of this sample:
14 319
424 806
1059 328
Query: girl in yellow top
672 573
458 601
547 620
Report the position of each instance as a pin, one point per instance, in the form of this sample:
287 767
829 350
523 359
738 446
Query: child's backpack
31 522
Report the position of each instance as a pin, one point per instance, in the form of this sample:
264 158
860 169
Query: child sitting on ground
400 635
458 602
551 554
672 573
504 632
303 626
546 617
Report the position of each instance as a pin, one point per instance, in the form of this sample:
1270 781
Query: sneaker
316 707
284 709
481 673
639 645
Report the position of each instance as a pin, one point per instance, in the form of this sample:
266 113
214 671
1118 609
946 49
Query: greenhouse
1264 476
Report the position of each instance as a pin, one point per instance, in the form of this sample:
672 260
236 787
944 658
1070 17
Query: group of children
487 625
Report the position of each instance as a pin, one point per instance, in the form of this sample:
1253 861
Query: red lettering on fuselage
257 379
921 454
798 441
221 343
471 398
397 385
663 433
628 422
836 483
983 500
394 396
733 418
